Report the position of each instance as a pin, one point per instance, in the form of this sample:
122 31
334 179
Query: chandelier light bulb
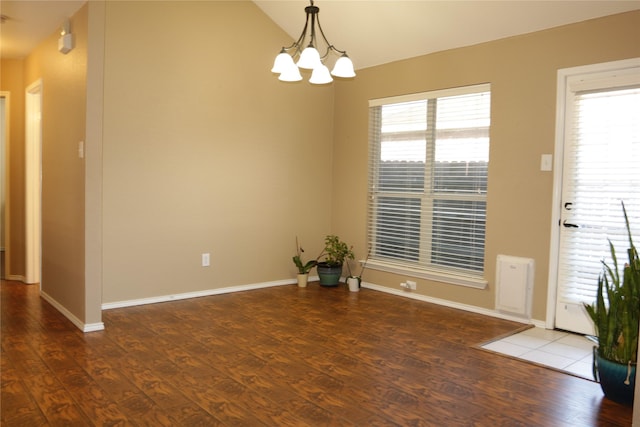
291 73
282 62
320 75
343 67
309 59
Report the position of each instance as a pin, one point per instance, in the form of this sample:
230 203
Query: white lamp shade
309 59
291 73
320 75
282 62
343 67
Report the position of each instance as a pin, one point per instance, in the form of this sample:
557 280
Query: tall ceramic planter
616 380
353 283
303 278
329 275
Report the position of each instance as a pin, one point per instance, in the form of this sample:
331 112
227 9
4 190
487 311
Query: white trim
33 182
84 327
198 294
461 279
462 90
564 77
93 327
367 285
452 304
6 173
14 277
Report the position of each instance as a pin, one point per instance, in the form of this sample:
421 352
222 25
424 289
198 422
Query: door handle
569 225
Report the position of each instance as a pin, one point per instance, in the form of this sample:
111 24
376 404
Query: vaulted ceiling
372 31
375 32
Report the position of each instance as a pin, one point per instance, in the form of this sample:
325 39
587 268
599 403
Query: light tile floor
565 351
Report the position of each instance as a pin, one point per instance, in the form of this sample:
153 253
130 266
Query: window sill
459 279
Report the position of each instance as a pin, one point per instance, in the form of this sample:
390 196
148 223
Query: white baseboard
84 327
174 297
398 292
15 278
452 304
197 294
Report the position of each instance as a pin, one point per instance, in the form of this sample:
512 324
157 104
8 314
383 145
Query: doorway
597 153
4 184
33 182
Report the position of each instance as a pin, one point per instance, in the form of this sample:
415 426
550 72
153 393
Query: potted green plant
303 267
335 253
615 315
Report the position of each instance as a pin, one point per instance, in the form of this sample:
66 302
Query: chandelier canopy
308 56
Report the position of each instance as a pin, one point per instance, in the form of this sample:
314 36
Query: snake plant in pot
615 314
335 253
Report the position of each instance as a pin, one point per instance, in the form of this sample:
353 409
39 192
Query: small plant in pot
335 253
615 315
303 267
353 281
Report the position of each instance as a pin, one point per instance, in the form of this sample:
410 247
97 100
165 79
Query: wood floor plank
18 408
90 397
282 356
55 402
52 398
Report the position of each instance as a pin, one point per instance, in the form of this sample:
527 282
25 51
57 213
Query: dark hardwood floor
281 356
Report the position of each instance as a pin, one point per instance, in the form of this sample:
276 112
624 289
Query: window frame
421 268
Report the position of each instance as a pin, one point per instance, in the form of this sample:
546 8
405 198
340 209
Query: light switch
206 260
546 162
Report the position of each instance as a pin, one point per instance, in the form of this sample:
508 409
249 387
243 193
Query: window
428 163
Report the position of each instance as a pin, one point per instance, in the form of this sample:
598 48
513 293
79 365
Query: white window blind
429 157
602 169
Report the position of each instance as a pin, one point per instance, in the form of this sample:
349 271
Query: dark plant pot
612 376
329 274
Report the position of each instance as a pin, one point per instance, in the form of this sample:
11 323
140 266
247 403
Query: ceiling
373 32
30 22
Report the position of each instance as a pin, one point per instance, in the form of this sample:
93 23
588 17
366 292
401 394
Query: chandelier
308 57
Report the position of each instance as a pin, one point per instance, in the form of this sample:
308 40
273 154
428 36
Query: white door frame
6 235
33 182
556 208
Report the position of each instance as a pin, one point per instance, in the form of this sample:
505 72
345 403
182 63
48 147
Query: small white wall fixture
514 285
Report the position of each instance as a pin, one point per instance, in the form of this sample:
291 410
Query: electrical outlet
408 285
206 260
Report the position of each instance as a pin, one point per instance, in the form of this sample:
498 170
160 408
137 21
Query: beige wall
200 149
205 151
12 81
63 127
522 72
